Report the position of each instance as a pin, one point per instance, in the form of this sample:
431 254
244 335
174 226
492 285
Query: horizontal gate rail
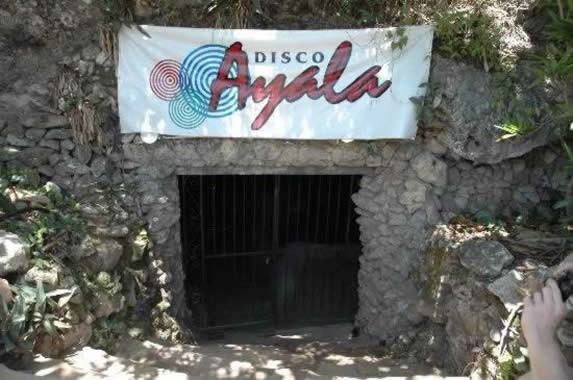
240 254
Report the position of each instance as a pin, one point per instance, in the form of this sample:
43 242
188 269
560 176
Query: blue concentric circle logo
187 86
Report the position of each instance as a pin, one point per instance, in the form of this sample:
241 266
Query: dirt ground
325 352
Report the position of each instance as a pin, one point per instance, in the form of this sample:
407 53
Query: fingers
553 291
537 298
547 294
564 267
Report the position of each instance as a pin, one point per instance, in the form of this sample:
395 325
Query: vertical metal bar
223 194
287 211
213 215
234 207
202 221
254 225
327 220
244 235
337 220
298 210
276 227
349 210
317 219
263 232
183 223
308 194
276 210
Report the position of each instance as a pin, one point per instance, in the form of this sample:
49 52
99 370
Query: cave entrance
276 250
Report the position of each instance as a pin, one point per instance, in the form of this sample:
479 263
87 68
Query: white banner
319 84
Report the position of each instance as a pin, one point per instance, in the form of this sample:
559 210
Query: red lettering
304 84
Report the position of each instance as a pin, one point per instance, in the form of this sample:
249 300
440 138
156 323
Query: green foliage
556 64
487 219
106 332
32 312
513 362
400 39
116 12
47 228
100 283
231 13
424 104
522 115
560 29
513 128
566 204
375 12
469 35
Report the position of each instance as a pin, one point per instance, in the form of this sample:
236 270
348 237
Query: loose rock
484 257
13 253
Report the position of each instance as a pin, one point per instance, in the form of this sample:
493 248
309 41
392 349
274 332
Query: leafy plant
469 35
400 39
32 312
231 13
566 204
106 332
560 28
486 218
513 128
47 228
556 64
424 104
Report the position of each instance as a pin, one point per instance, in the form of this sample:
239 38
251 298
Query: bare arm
542 314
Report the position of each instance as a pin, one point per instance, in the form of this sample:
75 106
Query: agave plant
27 316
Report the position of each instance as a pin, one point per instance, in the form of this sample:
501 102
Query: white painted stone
13 253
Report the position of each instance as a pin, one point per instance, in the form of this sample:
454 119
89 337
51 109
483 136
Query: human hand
5 291
542 314
565 266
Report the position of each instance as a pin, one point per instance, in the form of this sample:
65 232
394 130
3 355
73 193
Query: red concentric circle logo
164 79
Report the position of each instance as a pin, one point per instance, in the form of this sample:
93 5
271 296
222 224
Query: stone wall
408 187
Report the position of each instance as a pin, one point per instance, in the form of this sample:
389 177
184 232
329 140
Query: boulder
5 291
45 121
106 305
107 254
112 231
46 170
35 134
30 197
467 329
430 169
56 345
59 134
84 249
67 145
47 276
414 196
13 253
98 166
484 257
18 141
34 156
468 95
52 144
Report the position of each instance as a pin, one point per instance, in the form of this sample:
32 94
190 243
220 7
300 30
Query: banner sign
324 84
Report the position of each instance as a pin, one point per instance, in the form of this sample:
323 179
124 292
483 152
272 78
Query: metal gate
269 249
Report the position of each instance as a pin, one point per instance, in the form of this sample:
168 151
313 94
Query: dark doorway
269 249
